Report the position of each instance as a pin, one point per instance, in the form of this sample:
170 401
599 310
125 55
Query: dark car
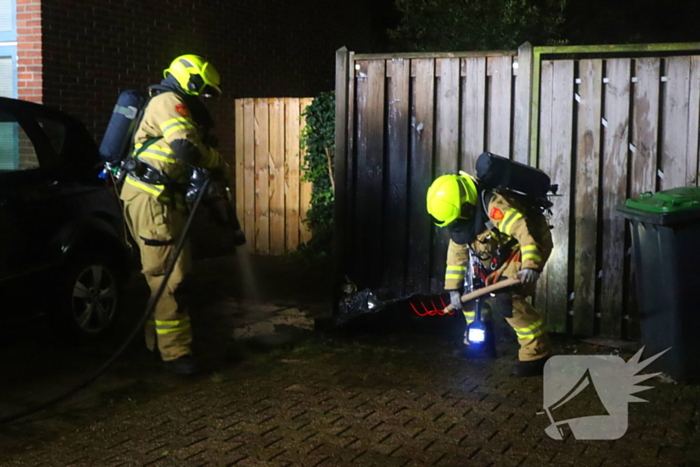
63 247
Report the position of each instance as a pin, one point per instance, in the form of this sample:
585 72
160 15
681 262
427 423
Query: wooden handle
490 289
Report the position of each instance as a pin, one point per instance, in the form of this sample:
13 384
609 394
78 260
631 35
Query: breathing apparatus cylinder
116 141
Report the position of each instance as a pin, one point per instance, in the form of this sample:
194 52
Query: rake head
435 307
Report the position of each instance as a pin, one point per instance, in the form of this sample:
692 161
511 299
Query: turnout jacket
175 140
511 224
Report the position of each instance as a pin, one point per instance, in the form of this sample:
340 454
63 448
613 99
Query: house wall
94 50
29 61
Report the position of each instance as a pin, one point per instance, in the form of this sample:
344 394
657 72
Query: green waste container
665 230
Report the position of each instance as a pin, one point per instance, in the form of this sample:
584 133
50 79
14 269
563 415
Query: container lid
668 201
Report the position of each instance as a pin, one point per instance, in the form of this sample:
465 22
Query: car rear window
55 131
16 149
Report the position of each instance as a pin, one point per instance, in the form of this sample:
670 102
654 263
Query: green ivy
318 139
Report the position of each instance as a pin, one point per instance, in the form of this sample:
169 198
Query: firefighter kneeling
511 239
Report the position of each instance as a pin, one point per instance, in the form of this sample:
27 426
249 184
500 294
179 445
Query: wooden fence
271 199
603 128
609 129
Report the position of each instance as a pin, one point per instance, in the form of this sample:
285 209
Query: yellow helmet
446 196
195 75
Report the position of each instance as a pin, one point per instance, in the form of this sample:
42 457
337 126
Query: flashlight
477 333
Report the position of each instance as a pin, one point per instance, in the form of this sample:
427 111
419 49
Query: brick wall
279 48
29 60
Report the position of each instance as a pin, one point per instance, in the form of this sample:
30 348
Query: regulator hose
153 300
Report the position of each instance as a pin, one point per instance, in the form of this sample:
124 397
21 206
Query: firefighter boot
183 366
525 369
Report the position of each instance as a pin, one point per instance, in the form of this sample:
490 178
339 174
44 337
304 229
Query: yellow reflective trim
175 129
469 313
157 147
530 332
170 331
534 325
533 256
167 123
158 157
174 124
155 190
454 276
456 268
511 217
172 322
160 149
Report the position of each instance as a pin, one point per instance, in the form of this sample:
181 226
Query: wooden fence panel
645 125
587 183
446 150
674 168
617 102
270 199
239 166
546 151
277 208
262 176
370 169
500 72
556 140
396 238
473 104
248 156
420 174
644 161
292 173
693 123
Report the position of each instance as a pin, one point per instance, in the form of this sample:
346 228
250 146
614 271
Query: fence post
341 120
523 103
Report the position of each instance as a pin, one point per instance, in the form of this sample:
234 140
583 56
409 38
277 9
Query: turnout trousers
156 228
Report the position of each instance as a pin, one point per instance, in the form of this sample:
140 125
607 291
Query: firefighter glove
456 300
528 276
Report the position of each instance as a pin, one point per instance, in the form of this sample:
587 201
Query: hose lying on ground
138 329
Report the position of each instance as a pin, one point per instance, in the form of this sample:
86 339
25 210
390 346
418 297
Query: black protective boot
529 368
184 366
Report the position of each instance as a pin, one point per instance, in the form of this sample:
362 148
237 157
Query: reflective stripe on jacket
532 234
168 119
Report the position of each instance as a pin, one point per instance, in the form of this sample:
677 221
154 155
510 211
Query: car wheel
91 294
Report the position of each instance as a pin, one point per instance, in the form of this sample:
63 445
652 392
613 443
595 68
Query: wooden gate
604 128
409 118
271 199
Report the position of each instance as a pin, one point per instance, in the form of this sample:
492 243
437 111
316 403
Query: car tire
90 293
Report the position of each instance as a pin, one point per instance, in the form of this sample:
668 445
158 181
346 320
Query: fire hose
138 329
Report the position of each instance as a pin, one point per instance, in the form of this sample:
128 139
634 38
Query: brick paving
339 402
406 398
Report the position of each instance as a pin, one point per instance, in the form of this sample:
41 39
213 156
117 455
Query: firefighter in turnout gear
171 138
512 240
